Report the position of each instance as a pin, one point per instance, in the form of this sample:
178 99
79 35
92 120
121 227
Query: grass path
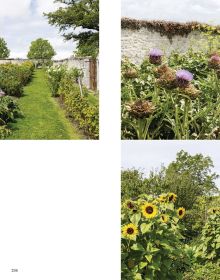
43 117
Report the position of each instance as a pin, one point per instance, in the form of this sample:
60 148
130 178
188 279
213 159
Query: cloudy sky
175 10
150 155
22 21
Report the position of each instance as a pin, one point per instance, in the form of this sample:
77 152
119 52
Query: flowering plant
151 239
155 56
175 100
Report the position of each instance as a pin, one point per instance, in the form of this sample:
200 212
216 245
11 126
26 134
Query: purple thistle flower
155 56
155 52
183 78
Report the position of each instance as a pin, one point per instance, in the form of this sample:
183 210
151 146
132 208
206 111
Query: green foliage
55 75
154 251
88 46
4 51
189 113
79 21
41 50
9 111
208 271
14 77
79 106
132 183
189 176
4 131
209 248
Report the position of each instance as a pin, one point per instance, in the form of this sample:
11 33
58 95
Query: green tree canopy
41 49
4 51
188 176
78 20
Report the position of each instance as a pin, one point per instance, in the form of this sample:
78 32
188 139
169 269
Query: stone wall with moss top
139 36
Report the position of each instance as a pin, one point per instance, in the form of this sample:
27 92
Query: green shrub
14 77
56 73
4 131
209 271
54 76
209 242
79 106
151 239
9 111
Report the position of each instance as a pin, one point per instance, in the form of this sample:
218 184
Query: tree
4 51
132 183
78 20
41 50
190 177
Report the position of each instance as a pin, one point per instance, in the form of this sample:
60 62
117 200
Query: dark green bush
14 77
79 106
9 111
209 271
209 243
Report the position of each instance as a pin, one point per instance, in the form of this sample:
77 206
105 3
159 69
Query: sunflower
164 218
162 198
181 212
172 197
214 210
129 231
149 210
129 204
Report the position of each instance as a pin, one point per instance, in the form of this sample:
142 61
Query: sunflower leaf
135 218
137 247
145 227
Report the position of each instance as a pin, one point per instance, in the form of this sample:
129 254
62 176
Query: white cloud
43 6
24 22
174 10
12 8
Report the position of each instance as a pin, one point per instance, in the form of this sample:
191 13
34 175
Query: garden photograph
49 70
170 210
170 71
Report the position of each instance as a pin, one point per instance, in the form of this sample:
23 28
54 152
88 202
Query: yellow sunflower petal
149 210
181 212
172 197
129 231
164 218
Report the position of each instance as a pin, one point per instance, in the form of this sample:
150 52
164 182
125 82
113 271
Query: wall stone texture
136 43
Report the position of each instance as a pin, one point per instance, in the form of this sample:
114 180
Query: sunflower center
149 210
171 198
130 231
130 205
180 212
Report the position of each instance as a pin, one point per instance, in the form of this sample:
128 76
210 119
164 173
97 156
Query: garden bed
174 97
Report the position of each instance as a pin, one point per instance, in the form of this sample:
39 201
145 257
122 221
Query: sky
206 11
22 21
150 155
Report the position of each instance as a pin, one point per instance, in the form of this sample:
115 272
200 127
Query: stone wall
136 42
84 65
